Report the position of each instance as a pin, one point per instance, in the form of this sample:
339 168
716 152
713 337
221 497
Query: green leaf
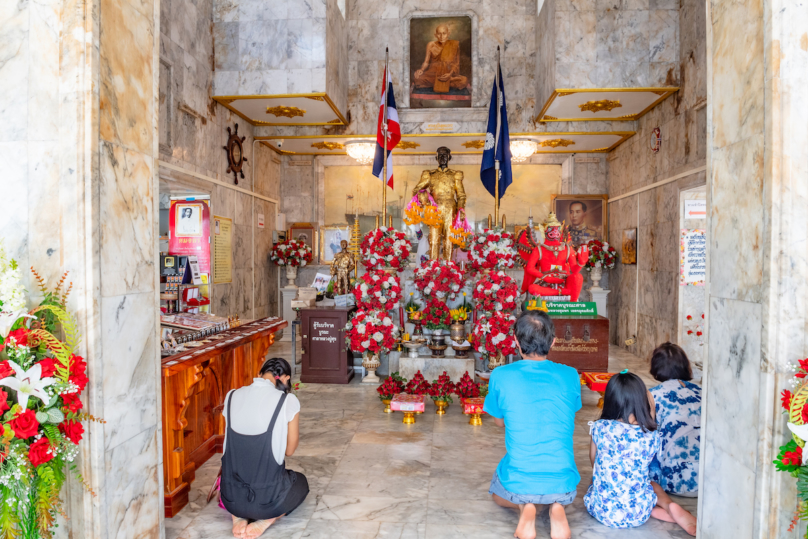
55 416
42 417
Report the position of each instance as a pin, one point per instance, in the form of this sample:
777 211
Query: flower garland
442 388
493 334
790 457
601 254
376 290
439 278
496 292
291 253
436 315
492 249
370 331
385 247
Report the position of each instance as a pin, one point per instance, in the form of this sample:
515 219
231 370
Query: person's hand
418 73
445 77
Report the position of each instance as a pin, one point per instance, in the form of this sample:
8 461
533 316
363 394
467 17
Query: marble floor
373 477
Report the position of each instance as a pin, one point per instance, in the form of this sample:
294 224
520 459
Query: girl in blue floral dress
624 442
678 414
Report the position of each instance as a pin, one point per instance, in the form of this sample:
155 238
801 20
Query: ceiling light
521 149
363 151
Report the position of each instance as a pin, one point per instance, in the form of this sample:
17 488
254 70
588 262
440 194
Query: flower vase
596 274
495 361
291 275
371 362
441 405
419 330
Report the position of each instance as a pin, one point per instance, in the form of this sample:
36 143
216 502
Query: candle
401 318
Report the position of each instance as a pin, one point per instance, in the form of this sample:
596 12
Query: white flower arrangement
12 292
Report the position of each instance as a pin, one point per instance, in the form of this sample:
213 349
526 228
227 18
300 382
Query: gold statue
342 266
446 187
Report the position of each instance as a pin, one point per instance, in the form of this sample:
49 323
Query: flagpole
384 126
496 144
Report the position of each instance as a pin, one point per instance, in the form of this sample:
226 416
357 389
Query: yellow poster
222 250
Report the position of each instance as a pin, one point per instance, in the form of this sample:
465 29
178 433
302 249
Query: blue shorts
521 499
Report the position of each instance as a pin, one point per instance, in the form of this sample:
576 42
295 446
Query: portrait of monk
440 59
441 68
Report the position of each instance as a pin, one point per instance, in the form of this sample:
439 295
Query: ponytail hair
278 367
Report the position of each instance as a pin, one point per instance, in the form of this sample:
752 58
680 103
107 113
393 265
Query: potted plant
493 337
370 333
601 255
291 254
436 315
392 386
441 392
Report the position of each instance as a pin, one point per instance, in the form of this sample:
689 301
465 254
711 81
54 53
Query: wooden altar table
194 385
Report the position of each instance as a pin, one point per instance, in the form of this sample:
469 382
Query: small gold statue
342 266
446 187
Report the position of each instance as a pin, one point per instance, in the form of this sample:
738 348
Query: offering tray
461 351
437 349
413 347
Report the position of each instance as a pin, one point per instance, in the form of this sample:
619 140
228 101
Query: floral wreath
291 253
492 249
376 290
496 292
436 315
493 334
385 247
601 254
792 456
441 279
370 331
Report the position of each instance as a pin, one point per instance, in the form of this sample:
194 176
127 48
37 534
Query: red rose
3 402
20 337
40 452
48 366
72 402
25 424
5 369
73 430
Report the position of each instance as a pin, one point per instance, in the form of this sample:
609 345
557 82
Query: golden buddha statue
446 187
341 267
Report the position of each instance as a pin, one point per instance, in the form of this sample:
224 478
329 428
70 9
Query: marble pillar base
599 296
432 367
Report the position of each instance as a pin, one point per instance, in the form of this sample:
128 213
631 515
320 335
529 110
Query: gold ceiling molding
601 149
407 145
476 144
335 121
314 97
601 105
551 118
328 146
229 102
564 94
663 94
556 142
286 111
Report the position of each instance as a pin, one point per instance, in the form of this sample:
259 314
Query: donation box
325 359
582 342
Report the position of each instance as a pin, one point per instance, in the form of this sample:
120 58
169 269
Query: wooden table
582 342
194 385
325 358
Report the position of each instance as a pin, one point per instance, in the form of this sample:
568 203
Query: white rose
375 277
387 321
360 330
377 294
455 287
365 344
363 287
382 300
378 336
509 298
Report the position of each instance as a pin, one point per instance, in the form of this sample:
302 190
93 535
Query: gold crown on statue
551 221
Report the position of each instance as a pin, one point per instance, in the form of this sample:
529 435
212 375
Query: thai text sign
693 257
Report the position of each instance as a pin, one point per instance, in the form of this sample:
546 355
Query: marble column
757 193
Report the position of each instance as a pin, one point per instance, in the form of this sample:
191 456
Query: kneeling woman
262 427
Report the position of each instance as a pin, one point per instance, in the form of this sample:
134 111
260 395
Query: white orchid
28 384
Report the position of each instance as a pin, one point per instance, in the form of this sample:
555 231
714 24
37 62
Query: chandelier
361 150
521 149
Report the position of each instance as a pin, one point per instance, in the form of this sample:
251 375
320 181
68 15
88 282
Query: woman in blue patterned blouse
678 414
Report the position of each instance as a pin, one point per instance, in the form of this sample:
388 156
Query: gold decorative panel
601 105
328 146
407 145
476 144
556 142
286 112
315 97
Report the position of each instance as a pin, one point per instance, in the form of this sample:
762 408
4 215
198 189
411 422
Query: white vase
371 362
596 274
291 275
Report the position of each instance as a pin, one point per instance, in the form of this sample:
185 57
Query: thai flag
393 132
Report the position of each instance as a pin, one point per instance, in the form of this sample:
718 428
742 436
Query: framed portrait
440 62
188 220
585 216
330 238
306 233
629 246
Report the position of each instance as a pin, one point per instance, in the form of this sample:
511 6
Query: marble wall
644 299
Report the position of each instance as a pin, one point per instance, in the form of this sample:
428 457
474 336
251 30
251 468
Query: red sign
189 231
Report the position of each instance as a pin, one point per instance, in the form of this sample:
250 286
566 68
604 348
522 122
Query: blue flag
497 131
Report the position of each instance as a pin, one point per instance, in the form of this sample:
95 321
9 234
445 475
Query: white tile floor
373 477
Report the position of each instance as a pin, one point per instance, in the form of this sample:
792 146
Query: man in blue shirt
535 400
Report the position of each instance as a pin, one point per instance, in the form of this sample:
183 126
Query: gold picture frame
306 232
328 235
593 210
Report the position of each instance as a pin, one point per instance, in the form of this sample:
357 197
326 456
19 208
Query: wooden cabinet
325 358
582 342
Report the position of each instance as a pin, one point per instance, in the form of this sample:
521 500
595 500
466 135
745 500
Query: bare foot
660 514
255 529
239 524
683 518
526 529
559 527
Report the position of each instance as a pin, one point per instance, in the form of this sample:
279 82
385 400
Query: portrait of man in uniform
584 217
440 62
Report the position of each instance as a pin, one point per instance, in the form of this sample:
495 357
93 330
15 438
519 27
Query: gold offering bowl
441 405
409 418
387 409
476 419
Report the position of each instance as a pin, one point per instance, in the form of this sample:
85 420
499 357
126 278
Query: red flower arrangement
436 315
492 249
385 247
291 253
375 289
466 388
417 386
439 278
442 388
496 292
493 334
391 387
601 253
370 331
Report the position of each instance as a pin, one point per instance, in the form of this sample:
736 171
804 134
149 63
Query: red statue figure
554 267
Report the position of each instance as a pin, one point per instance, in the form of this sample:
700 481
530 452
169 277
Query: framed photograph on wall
440 62
586 216
305 232
330 238
629 246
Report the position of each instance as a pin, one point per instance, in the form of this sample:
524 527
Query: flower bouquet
291 253
391 387
492 249
440 391
496 292
436 315
438 278
417 386
601 254
466 388
370 332
493 334
376 290
385 247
